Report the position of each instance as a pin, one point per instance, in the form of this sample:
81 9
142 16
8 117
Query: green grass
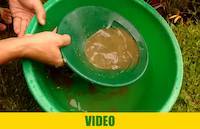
188 36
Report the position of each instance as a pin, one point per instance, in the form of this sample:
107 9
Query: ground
189 40
14 95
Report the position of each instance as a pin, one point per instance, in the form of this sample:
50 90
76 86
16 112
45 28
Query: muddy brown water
112 49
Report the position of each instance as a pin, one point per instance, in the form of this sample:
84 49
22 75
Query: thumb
66 39
60 63
40 12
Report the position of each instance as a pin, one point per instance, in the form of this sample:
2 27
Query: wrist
24 47
11 49
19 47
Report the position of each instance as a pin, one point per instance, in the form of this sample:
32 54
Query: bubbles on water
59 88
74 103
112 49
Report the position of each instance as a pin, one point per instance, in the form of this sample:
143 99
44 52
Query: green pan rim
46 105
107 84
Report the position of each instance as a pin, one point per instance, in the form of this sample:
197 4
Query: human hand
23 11
6 17
44 47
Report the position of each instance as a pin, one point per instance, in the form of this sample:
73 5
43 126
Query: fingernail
42 21
55 30
60 64
67 37
17 30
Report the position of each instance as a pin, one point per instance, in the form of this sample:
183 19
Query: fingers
23 27
66 39
20 26
7 10
17 25
60 63
6 16
2 27
40 12
7 19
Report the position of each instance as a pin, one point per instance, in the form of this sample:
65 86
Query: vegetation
188 36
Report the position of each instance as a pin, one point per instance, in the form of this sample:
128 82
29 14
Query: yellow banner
99 120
